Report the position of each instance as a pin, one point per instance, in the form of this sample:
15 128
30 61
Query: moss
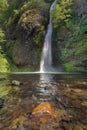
4 65
81 47
2 35
4 91
9 52
71 66
39 37
25 69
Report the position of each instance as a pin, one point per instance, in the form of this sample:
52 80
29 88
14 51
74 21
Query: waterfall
46 59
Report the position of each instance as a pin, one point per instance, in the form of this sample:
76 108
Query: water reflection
46 87
46 77
67 94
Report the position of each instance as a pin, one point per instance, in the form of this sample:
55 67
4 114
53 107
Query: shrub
62 12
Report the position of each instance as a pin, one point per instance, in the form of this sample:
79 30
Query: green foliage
3 61
12 9
2 36
81 27
32 5
9 10
77 45
4 91
70 66
39 37
48 1
3 9
4 65
74 45
81 49
6 56
78 33
62 12
9 52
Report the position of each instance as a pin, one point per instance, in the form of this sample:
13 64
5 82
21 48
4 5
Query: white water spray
46 59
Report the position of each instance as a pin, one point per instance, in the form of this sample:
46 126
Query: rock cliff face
27 31
26 49
81 8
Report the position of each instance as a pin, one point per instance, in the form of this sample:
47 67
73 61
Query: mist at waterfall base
46 59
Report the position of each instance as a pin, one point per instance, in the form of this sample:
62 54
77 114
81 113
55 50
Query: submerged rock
2 79
16 83
18 123
23 128
34 97
77 127
46 127
60 115
43 112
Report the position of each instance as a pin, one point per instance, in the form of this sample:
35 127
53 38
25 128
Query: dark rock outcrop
25 49
81 7
82 64
2 79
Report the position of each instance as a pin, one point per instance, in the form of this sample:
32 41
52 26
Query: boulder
43 112
16 83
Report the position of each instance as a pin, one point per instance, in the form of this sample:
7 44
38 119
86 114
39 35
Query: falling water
46 60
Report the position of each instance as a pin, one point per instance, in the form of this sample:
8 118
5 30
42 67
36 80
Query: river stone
18 122
2 79
44 112
77 90
45 127
16 82
23 128
60 114
67 126
84 103
77 127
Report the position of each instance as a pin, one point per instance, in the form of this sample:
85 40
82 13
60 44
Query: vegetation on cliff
70 28
23 26
24 23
